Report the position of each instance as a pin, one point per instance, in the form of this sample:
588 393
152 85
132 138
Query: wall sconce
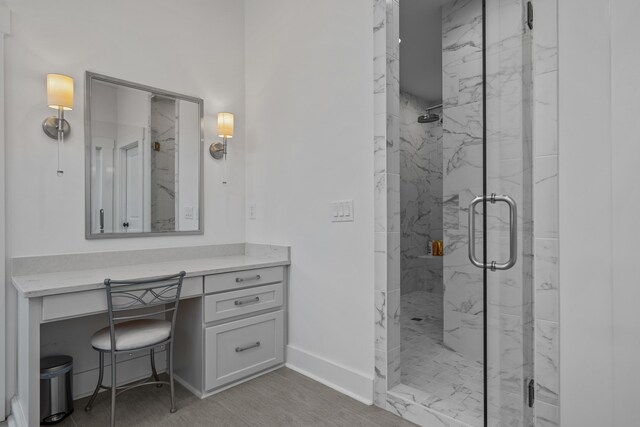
60 97
218 150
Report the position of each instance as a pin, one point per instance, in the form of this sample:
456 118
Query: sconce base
217 150
50 127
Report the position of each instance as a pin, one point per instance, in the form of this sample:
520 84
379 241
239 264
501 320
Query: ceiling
421 48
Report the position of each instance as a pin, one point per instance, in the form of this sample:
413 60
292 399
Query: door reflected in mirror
144 160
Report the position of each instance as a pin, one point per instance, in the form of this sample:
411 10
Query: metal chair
138 310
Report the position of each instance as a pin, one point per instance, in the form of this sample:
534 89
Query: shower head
428 118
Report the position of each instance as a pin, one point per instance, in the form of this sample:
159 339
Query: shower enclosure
455 334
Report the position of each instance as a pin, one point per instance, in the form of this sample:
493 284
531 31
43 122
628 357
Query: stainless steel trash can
56 388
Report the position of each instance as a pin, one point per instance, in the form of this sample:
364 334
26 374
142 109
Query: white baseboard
17 415
340 378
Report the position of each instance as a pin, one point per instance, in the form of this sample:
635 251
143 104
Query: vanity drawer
236 303
238 349
63 306
242 279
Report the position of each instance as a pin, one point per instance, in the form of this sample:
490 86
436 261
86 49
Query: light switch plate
252 211
341 211
188 212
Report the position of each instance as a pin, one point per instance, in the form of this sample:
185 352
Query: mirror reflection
144 152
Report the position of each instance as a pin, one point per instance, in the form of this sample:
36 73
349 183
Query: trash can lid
52 364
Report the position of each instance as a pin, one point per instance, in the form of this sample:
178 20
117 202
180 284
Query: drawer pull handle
247 347
246 279
247 301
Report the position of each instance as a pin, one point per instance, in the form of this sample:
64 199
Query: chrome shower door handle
472 232
513 232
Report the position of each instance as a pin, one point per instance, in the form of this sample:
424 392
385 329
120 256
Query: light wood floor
279 398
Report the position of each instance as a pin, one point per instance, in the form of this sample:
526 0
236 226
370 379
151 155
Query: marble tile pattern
510 170
546 242
403 405
461 97
386 177
462 171
441 379
163 185
420 196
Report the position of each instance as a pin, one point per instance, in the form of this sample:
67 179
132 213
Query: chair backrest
143 299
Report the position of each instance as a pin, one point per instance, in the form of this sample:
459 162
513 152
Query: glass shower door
487 156
466 178
507 253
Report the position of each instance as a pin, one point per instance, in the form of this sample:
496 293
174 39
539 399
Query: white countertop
39 285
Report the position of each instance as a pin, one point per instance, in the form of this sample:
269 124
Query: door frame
386 187
121 198
5 30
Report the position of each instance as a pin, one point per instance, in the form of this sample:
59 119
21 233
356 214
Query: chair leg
154 372
170 360
100 375
113 389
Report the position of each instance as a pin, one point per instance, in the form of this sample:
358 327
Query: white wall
625 110
309 88
193 47
585 224
599 202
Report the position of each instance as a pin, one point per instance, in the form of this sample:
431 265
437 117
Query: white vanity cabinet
235 331
231 323
239 349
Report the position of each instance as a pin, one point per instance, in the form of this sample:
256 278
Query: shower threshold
414 405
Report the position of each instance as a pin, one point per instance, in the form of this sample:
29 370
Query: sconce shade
60 91
225 125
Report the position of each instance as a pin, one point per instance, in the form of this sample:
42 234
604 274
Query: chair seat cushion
133 334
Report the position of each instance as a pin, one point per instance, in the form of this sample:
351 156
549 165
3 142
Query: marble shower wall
546 283
386 180
462 172
420 196
388 393
509 170
163 184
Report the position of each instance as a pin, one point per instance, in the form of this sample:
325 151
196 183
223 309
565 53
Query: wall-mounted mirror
143 160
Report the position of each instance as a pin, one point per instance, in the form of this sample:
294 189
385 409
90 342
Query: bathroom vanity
231 318
144 177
